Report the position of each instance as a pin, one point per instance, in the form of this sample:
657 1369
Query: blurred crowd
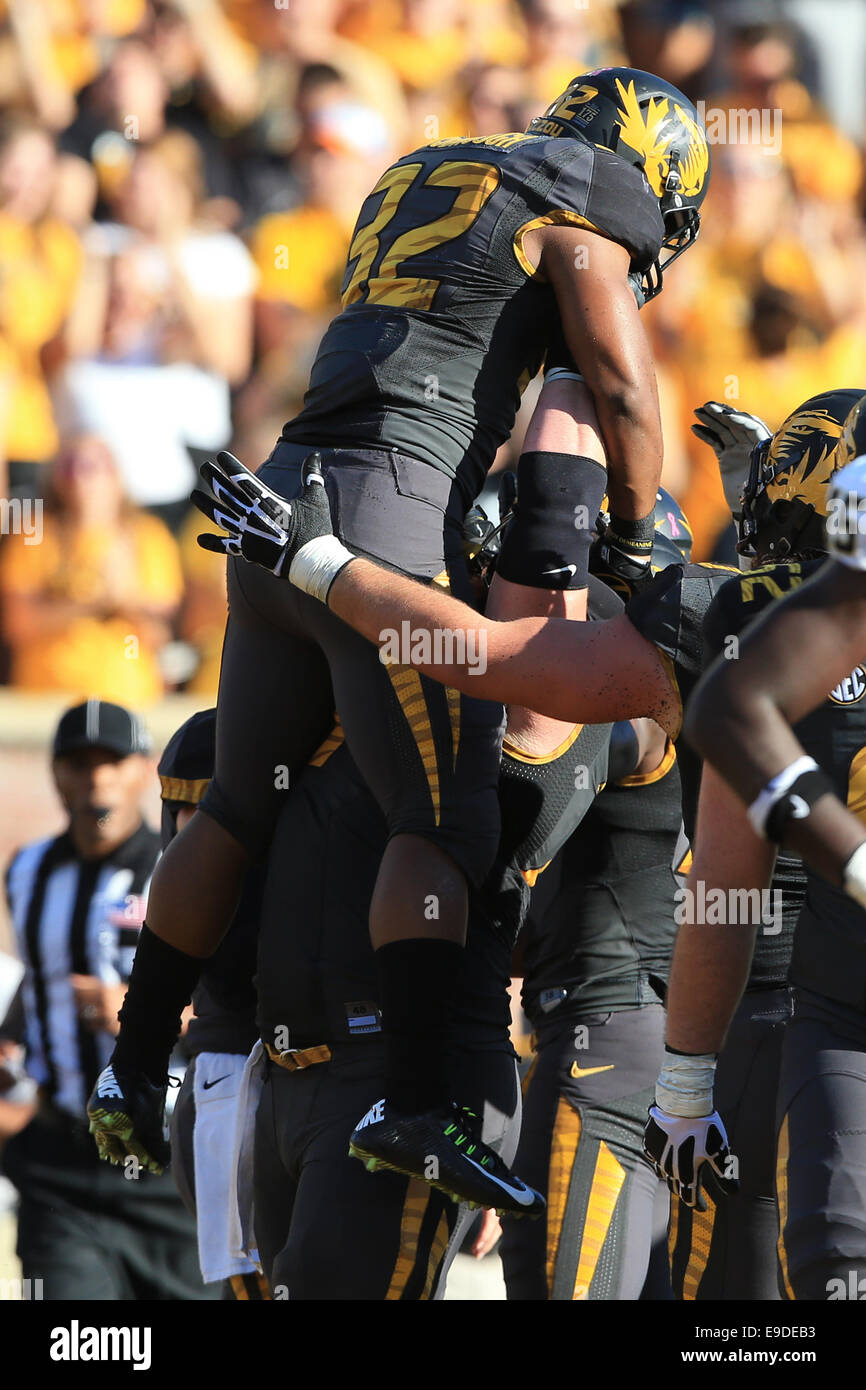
178 184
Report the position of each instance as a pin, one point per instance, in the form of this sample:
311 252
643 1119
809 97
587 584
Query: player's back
602 918
444 319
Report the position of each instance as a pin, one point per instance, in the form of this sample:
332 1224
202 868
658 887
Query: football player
798 501
466 258
219 1036
726 1248
595 953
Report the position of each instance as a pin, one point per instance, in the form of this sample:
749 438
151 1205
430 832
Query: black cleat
126 1113
442 1147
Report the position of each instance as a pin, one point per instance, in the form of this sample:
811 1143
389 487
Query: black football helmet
785 496
650 123
673 536
482 539
186 767
672 543
852 445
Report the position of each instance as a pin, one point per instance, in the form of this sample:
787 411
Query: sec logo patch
851 689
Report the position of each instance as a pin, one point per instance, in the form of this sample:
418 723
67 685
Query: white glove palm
732 435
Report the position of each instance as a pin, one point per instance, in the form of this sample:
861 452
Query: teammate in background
595 953
792 490
726 1249
815 636
219 1037
460 271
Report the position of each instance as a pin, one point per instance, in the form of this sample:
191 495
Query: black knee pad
548 541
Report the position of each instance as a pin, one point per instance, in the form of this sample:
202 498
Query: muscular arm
711 964
740 717
586 673
605 335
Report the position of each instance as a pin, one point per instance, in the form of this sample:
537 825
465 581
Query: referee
87 1230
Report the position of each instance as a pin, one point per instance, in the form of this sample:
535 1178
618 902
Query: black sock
417 984
160 987
633 538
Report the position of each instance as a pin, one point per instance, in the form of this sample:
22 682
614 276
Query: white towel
242 1240
217 1091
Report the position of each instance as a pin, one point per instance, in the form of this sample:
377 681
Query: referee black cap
100 724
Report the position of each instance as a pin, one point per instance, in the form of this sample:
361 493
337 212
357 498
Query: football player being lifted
468 258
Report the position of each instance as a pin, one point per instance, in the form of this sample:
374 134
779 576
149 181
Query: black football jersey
542 801
316 974
829 940
601 926
444 319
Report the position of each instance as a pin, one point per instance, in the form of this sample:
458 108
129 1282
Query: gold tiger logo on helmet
801 458
650 132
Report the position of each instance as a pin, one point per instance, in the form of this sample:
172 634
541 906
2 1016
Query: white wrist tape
854 875
317 564
775 789
562 374
685 1085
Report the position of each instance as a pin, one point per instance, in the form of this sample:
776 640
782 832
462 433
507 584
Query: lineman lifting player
462 266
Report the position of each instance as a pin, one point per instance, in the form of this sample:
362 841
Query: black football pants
585 1108
327 1229
429 755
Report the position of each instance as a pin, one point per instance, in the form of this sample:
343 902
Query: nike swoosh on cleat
578 1072
525 1197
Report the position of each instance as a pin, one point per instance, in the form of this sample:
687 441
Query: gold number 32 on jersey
474 184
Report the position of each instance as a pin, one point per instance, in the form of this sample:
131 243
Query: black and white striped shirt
74 916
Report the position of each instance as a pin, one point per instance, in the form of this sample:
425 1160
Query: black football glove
261 526
689 1154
